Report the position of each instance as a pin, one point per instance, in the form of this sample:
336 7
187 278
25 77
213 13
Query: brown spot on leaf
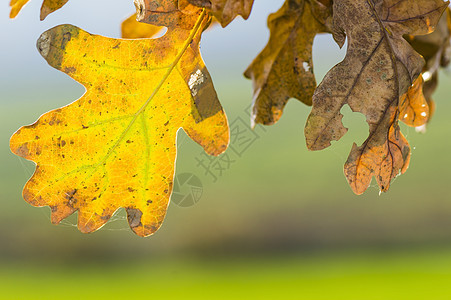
66 38
70 196
134 217
105 217
23 150
69 70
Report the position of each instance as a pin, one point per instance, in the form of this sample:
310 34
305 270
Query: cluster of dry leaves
116 145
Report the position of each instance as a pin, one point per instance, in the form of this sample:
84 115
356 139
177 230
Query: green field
394 275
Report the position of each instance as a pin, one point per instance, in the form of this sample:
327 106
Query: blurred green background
279 222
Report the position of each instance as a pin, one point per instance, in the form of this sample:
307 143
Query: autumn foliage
116 146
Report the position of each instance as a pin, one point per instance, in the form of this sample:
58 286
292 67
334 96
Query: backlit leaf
413 107
378 69
116 145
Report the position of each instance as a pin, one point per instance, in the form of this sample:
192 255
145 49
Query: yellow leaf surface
284 69
116 145
378 69
48 6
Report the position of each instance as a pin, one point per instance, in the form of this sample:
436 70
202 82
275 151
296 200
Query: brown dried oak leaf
378 69
168 13
48 6
116 146
284 69
226 10
152 15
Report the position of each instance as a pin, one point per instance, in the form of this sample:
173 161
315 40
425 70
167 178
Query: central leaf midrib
392 56
156 90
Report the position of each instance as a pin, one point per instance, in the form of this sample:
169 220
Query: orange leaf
413 107
383 161
16 6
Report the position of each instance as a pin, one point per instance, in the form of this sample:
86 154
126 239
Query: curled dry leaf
131 28
48 6
379 67
284 69
168 13
226 10
116 146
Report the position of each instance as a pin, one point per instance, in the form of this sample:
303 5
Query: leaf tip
45 11
13 14
139 226
253 124
140 9
43 44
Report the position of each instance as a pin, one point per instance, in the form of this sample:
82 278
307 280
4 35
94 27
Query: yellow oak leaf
116 145
48 6
284 69
378 69
226 10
